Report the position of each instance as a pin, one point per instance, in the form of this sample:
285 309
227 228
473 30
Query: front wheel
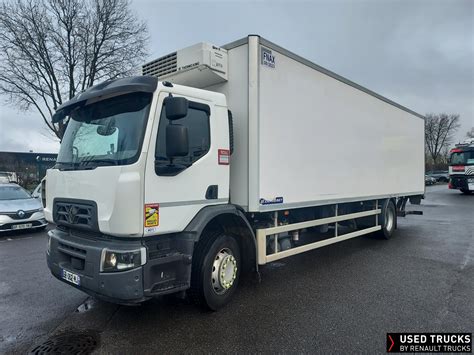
388 219
466 192
215 270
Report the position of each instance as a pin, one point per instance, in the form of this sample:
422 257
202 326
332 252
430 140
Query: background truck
219 160
461 167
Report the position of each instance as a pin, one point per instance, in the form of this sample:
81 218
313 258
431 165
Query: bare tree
470 134
52 49
439 133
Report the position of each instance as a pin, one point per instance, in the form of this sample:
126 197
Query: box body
305 136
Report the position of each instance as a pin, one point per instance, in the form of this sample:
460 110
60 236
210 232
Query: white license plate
471 186
72 278
22 226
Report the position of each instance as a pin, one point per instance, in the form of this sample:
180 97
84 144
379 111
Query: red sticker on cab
223 156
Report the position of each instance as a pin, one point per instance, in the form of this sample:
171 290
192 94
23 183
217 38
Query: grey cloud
419 53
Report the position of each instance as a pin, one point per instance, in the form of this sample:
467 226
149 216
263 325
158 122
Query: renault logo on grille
21 213
71 214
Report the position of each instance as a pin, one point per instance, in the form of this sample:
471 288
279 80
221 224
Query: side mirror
176 107
177 144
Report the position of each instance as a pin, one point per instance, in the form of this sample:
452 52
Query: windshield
13 192
109 132
462 158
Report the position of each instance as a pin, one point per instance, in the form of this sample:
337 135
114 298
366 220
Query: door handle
212 192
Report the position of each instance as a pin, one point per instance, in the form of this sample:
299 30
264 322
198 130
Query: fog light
122 260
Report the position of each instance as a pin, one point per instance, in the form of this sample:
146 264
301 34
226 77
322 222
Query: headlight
115 260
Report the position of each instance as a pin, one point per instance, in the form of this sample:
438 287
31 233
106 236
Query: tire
215 253
388 220
466 192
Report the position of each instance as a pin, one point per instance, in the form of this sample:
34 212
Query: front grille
14 215
73 249
82 214
161 66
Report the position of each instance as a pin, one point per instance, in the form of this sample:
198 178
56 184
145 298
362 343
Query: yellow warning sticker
152 218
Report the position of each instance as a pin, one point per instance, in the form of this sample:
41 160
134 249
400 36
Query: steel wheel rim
224 271
389 219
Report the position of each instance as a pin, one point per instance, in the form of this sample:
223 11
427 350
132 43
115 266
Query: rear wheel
215 270
388 219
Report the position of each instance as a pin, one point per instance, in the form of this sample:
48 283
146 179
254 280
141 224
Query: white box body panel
310 137
321 139
237 94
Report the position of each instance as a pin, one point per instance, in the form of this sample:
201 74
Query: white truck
461 167
219 160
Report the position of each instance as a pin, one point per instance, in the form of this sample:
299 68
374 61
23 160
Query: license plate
72 278
471 187
22 226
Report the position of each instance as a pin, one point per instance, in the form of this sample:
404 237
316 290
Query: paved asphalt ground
342 298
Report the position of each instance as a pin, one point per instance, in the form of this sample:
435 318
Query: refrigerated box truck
219 160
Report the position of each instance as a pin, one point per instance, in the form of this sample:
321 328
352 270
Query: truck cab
461 167
139 157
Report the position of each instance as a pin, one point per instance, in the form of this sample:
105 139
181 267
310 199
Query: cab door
176 188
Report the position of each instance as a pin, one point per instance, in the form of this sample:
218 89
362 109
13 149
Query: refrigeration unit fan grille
161 66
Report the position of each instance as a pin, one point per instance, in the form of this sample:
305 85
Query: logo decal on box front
152 217
267 58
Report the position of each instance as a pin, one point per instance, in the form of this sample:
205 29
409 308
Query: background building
30 167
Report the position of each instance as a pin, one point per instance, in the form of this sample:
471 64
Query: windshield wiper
84 164
108 161
99 161
70 165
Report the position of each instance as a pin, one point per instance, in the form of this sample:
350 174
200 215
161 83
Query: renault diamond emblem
71 214
21 213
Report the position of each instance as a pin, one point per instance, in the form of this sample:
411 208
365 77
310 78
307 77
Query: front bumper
167 269
37 220
460 182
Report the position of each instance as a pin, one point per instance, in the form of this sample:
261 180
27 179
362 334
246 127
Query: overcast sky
417 53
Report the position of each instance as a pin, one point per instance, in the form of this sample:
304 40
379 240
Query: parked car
7 176
19 210
439 175
429 180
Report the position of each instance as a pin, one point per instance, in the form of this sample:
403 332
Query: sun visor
104 90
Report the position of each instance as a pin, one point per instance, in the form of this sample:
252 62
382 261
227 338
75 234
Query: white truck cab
461 167
214 162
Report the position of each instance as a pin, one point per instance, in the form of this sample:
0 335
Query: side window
199 138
